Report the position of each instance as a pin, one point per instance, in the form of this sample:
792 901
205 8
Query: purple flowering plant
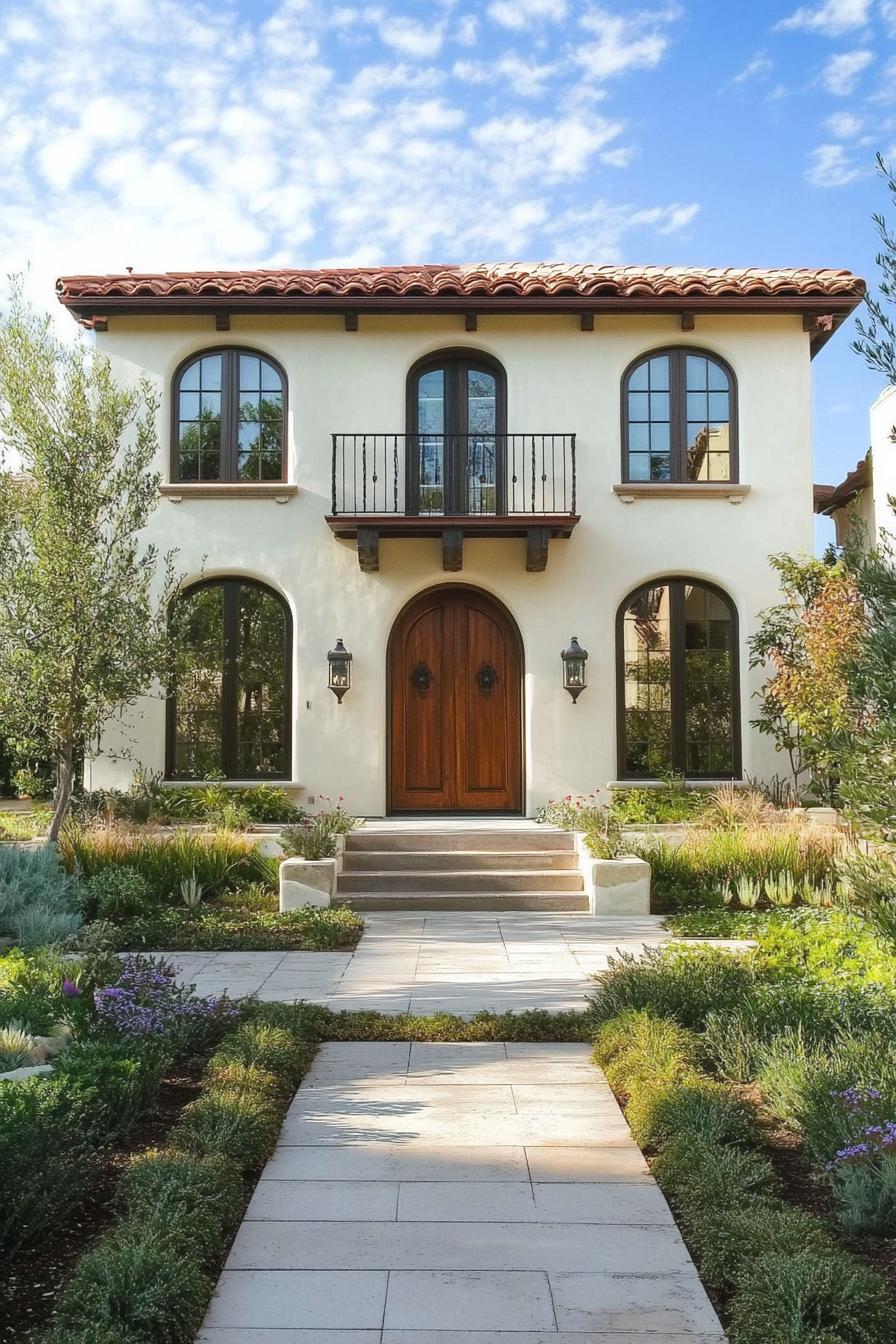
147 1003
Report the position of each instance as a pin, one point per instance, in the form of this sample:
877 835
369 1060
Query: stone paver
454 962
441 1194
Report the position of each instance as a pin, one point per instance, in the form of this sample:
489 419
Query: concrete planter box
306 882
824 816
614 886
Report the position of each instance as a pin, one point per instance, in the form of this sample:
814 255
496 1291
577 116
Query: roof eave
87 308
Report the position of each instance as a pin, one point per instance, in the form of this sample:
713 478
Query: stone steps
458 860
458 866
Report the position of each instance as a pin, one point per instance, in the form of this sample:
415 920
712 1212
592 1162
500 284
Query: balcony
453 486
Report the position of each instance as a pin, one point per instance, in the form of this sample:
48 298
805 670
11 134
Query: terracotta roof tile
540 279
829 498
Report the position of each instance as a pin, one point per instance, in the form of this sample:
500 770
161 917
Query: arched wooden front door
455 707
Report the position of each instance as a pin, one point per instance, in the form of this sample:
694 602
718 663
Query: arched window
679 418
456 423
229 417
229 713
678 682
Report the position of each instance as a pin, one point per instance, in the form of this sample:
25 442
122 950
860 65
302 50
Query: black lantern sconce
340 661
574 660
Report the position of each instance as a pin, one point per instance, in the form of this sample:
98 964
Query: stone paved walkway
430 963
457 1194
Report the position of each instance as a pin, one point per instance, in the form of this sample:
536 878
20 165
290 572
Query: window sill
690 784
279 491
230 783
634 490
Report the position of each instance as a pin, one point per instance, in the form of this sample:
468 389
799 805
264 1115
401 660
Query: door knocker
421 679
487 678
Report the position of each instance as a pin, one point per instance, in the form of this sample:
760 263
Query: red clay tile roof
538 280
829 498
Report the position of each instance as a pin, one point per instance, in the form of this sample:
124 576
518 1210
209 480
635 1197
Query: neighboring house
863 497
455 470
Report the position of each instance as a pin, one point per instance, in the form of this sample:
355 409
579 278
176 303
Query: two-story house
454 471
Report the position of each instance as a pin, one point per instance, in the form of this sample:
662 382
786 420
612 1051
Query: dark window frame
676 584
231 584
230 374
678 446
459 359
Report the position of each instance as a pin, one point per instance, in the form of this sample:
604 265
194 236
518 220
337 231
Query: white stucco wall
558 379
877 513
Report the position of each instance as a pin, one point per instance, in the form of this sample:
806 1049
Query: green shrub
315 841
222 1122
698 1107
708 862
139 1284
220 862
637 1050
725 1240
805 1085
864 1191
234 922
194 1200
267 1047
45 1164
116 893
268 805
39 901
682 983
827 945
670 802
107 1086
810 1297
697 1175
575 812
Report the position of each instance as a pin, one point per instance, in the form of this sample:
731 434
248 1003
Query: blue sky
166 135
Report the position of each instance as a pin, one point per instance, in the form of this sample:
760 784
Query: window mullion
677 413
230 679
677 676
229 397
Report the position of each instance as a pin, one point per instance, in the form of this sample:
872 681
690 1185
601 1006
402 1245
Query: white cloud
520 13
410 37
467 30
832 19
527 78
624 43
845 125
316 134
841 73
831 166
757 68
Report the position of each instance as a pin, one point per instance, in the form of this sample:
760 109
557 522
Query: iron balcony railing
456 475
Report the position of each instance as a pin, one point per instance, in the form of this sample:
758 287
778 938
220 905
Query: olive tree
83 595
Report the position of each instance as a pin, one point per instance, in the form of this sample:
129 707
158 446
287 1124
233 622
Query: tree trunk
63 791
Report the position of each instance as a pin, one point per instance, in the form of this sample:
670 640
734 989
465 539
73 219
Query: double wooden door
455 680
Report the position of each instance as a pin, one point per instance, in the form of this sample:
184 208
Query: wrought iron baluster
333 478
532 436
364 473
572 458
395 473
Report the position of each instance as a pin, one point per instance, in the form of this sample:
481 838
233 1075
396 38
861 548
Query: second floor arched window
679 418
229 418
457 422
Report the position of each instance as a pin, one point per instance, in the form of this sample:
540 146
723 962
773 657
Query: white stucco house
454 471
863 496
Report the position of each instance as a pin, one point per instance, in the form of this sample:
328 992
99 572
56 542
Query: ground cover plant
798 1031
39 900
30 825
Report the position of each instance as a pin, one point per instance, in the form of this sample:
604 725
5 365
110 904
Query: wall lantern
340 661
574 660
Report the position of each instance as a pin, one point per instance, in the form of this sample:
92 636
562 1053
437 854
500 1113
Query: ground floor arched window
678 683
229 714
